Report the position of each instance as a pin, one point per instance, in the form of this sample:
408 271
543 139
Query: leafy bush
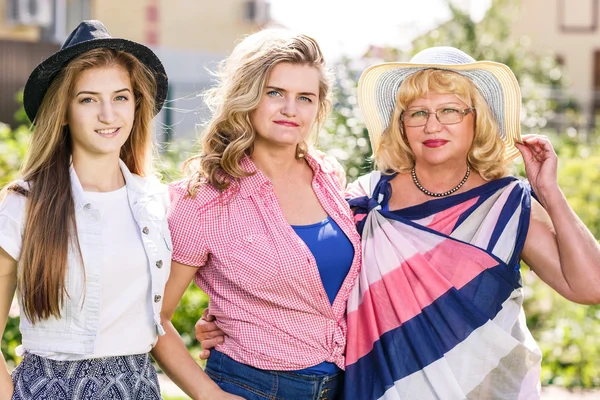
567 333
13 144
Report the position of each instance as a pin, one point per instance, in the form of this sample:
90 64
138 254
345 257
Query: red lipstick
432 143
286 123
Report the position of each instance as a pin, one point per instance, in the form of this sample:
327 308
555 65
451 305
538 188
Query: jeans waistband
254 383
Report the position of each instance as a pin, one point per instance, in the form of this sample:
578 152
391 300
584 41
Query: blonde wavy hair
229 135
486 155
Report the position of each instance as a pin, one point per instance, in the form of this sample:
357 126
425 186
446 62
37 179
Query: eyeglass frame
463 113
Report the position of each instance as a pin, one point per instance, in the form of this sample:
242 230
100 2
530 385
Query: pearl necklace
444 194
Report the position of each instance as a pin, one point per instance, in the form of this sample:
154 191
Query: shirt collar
133 185
258 181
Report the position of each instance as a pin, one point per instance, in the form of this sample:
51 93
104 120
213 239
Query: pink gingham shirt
264 286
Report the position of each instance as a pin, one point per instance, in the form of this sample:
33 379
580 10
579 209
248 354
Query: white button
317 185
146 230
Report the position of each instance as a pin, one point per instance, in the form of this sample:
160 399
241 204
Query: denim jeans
257 384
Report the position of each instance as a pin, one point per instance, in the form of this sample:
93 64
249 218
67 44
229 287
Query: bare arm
8 284
559 248
170 351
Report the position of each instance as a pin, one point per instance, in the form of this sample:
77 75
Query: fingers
208 344
526 152
207 330
204 354
207 316
539 147
538 142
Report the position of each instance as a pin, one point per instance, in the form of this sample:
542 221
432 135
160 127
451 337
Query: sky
348 27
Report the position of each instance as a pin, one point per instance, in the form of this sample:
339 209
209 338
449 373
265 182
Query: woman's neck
99 174
440 178
277 163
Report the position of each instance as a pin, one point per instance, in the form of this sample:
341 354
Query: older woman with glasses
437 310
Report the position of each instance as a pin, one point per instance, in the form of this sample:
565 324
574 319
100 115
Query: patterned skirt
125 378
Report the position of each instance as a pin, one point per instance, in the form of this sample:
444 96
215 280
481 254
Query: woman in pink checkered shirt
261 224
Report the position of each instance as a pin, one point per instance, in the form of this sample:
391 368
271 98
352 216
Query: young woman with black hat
84 236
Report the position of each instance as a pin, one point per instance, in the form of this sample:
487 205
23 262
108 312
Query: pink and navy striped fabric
437 309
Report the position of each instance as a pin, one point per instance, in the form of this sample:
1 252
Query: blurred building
570 30
188 35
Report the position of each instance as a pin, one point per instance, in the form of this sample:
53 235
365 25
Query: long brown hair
50 227
229 135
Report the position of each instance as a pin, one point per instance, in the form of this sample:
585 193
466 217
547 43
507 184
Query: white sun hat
379 84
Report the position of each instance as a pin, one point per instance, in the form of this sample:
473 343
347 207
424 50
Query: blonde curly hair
229 135
486 155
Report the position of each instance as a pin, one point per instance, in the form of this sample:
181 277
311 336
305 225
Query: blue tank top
333 253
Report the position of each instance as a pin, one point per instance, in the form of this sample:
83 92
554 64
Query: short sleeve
331 165
362 186
12 222
185 224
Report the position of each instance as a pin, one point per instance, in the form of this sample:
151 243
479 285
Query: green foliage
10 340
567 333
21 116
13 145
345 136
189 310
169 162
169 167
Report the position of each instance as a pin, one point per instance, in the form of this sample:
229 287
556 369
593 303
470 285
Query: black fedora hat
87 36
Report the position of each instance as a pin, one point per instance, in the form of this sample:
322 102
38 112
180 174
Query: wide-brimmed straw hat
378 87
87 36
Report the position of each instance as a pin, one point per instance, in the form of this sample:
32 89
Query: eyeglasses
445 115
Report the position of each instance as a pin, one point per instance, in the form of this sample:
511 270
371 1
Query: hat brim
39 80
379 84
